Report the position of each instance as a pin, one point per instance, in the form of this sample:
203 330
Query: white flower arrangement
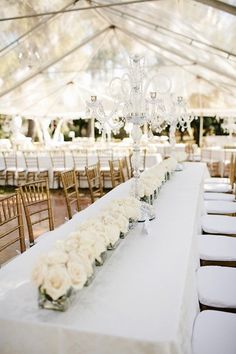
152 178
70 264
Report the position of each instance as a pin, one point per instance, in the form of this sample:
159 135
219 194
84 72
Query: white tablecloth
143 299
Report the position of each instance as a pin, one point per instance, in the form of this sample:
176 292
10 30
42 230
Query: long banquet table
143 300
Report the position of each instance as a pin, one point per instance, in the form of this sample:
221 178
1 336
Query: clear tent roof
51 64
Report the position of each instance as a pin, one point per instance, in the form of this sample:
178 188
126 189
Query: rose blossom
57 281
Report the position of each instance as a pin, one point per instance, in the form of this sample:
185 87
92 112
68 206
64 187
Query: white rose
57 282
57 257
103 232
114 234
71 243
83 258
122 223
89 251
99 248
40 271
77 273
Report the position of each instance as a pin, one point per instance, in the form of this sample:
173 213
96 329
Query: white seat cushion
217 180
217 187
219 207
60 169
14 169
217 286
36 170
219 196
217 247
214 333
219 224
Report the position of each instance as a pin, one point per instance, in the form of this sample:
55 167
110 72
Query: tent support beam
174 52
48 65
18 39
188 40
130 2
211 83
64 85
222 6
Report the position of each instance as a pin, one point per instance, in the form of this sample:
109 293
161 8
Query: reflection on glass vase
114 245
100 261
149 199
92 276
61 304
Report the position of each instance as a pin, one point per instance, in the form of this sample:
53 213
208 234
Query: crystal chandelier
137 102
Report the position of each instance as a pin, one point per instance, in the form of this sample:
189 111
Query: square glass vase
61 304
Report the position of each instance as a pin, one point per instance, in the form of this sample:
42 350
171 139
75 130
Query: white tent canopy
51 63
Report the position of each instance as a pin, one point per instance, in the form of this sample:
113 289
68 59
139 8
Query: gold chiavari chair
116 173
94 181
11 223
2 168
71 191
232 170
124 168
37 205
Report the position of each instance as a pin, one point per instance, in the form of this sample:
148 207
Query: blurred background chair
58 161
104 156
34 171
80 161
12 171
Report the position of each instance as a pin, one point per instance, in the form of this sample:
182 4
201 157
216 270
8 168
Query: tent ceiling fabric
50 65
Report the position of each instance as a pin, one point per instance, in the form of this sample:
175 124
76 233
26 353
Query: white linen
217 286
143 299
219 224
219 196
214 333
219 207
217 247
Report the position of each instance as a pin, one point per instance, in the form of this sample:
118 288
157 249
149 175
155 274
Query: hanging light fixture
135 103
